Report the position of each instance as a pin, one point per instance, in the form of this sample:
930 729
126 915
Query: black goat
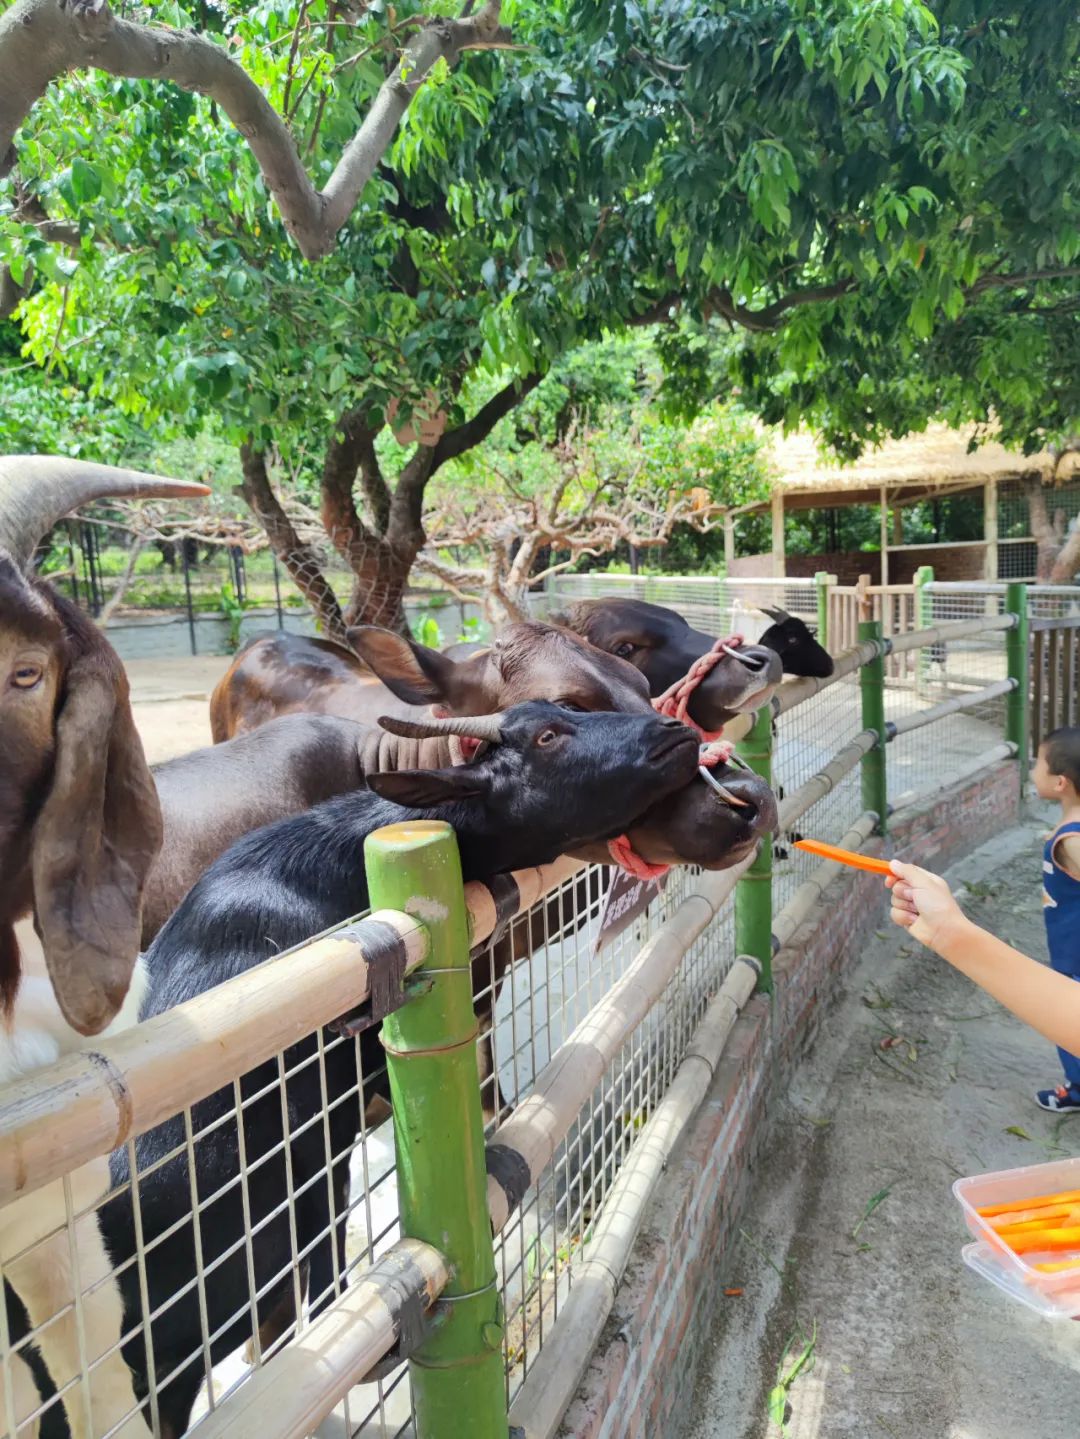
551 779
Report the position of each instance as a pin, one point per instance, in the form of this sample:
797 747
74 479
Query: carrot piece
1041 1201
1041 1239
732 1293
1041 1219
1057 1266
844 856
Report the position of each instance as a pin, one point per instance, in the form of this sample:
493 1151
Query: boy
1057 777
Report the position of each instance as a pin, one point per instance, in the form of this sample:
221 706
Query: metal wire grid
710 602
1017 551
805 740
544 996
206 1242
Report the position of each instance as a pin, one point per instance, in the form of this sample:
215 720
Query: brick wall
647 1358
959 562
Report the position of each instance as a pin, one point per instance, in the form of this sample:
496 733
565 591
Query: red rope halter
675 699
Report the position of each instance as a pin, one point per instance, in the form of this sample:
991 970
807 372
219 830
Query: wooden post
1017 656
729 541
863 601
990 531
897 527
779 559
884 517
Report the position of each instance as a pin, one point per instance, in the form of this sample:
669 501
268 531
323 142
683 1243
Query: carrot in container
1045 1239
1057 1266
1060 1218
844 856
1040 1201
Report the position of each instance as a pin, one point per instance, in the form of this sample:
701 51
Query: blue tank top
1061 907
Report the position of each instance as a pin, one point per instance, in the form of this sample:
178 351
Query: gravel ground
908 1343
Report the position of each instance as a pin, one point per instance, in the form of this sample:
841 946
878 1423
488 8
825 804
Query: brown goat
79 829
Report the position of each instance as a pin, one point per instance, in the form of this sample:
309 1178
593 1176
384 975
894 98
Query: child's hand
923 903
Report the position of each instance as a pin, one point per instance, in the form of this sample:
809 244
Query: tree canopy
842 186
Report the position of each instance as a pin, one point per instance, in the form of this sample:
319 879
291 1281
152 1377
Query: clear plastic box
1056 1296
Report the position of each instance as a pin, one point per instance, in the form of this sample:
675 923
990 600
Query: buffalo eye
571 705
25 677
625 650
546 737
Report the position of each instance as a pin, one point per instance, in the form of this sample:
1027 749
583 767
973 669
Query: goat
79 827
550 779
788 636
286 674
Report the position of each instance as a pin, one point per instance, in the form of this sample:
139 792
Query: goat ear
95 839
420 789
414 673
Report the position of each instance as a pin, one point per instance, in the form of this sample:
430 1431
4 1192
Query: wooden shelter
900 473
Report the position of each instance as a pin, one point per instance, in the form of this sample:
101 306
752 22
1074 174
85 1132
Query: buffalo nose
669 722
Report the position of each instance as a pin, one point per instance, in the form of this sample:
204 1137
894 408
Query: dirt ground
171 702
906 1342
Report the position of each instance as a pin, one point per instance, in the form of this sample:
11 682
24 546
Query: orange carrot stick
1057 1266
1045 1239
1060 1217
1040 1201
844 856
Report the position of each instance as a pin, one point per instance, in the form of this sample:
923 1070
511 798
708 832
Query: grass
799 1350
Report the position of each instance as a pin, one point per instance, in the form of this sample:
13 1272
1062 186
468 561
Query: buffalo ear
98 832
424 788
416 674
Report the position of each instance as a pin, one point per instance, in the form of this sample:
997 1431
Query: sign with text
627 898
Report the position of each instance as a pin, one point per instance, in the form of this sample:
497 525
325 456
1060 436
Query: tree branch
42 39
456 442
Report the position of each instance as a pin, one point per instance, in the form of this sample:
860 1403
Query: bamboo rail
89 1103
317 1368
525 1143
797 692
553 1378
951 630
906 723
827 778
1005 750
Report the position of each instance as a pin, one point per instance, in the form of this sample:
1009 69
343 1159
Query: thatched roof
936 458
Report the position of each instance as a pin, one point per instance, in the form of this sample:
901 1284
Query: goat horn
486 727
775 613
38 490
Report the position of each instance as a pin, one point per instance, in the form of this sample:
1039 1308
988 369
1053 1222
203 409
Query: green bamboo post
753 893
872 693
1017 646
924 606
822 580
457 1375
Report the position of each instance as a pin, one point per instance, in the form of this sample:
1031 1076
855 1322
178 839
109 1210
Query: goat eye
625 650
547 736
26 677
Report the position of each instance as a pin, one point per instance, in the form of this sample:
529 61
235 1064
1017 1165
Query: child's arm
1048 1001
1067 854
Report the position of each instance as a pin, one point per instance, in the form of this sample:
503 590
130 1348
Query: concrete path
171 702
909 1343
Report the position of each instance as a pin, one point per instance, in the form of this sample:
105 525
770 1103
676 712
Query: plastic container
1055 1296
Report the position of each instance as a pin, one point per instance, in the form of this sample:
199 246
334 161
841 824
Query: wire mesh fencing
210 1245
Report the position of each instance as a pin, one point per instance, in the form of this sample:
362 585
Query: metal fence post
822 581
457 1375
753 893
1017 646
872 694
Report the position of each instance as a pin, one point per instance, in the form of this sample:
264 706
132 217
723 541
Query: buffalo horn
485 727
38 490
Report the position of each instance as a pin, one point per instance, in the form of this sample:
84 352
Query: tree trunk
1067 564
380 577
1049 534
298 559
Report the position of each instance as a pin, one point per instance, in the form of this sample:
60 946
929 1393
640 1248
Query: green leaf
85 181
1016 1129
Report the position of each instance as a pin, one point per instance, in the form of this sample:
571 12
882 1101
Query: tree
813 177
